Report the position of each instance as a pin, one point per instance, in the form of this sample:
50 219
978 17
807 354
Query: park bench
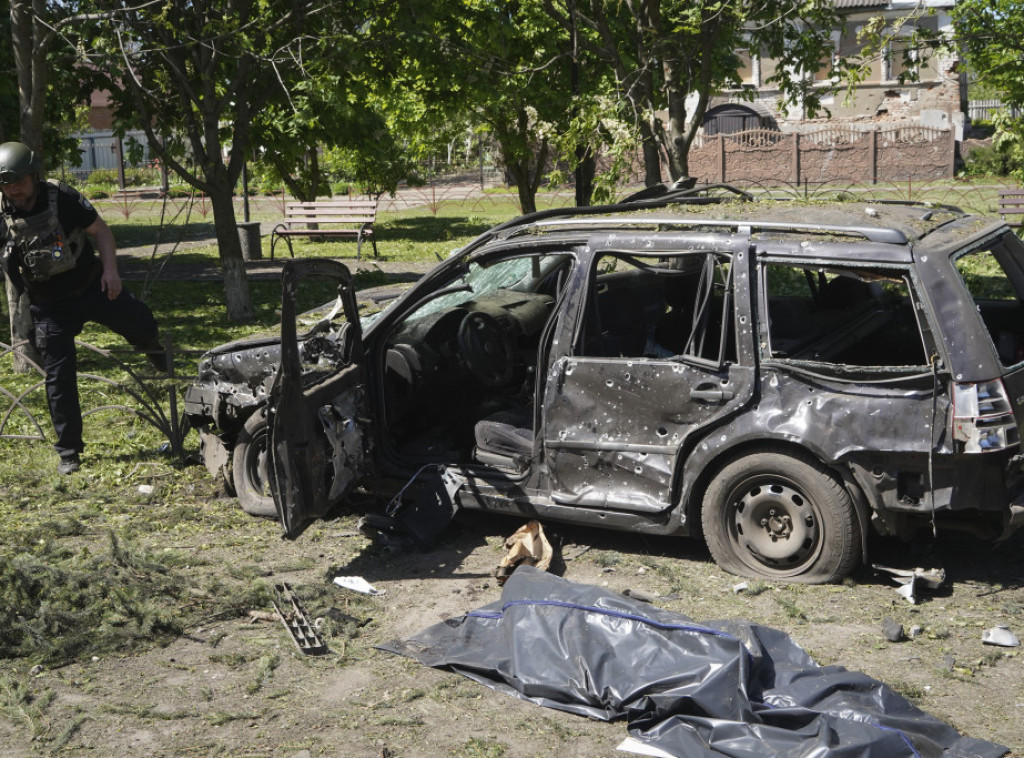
1011 203
327 218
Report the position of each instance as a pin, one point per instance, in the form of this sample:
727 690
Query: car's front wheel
249 468
777 515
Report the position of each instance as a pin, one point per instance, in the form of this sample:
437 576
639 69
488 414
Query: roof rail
884 235
681 189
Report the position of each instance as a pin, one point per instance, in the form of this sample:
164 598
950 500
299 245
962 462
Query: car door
316 412
656 361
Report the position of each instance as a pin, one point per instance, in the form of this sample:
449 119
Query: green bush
106 178
101 177
988 161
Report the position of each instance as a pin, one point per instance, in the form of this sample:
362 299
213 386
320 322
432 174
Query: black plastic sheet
721 688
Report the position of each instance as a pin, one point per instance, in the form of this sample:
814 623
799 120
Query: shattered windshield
522 274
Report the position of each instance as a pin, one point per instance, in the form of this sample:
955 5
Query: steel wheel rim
774 526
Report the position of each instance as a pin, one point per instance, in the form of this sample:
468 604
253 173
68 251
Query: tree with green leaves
502 64
195 76
333 113
669 57
991 35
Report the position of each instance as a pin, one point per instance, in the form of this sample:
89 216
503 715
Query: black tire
777 515
249 468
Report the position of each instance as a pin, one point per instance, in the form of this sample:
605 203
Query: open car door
317 448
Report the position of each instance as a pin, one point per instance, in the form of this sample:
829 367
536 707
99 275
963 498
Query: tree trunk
652 158
22 328
29 42
677 147
584 174
237 294
524 188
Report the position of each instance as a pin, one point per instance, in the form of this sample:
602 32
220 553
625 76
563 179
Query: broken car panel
787 376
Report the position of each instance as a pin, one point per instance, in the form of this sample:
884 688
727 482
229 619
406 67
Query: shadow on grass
139 235
433 228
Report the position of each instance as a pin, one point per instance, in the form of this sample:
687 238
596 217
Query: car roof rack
880 234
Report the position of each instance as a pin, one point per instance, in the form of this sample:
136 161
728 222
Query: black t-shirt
73 212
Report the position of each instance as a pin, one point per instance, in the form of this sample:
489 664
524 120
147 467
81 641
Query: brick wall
838 154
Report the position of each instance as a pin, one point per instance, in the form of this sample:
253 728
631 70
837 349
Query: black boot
155 353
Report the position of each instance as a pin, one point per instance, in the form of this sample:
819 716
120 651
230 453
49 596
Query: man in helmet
45 248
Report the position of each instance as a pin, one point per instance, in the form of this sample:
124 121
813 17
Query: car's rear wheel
249 468
777 515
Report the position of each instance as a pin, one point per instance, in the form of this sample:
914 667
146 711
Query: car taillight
983 419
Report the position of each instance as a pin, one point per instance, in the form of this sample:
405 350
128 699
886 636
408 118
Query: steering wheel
486 349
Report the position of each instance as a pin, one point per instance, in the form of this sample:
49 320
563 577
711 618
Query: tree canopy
198 77
991 35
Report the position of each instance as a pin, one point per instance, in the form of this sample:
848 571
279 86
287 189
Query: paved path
136 264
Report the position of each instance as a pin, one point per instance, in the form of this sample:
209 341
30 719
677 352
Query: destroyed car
781 378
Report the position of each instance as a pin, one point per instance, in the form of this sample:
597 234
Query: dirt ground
238 687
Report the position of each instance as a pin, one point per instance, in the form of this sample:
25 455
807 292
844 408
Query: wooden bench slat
330 217
358 216
1011 203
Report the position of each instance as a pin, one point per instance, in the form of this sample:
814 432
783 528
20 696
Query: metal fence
103 150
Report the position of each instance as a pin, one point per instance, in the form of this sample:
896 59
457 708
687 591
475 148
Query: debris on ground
1000 635
296 620
893 630
527 546
410 524
357 584
911 580
643 597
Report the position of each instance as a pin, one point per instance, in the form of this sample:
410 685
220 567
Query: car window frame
730 301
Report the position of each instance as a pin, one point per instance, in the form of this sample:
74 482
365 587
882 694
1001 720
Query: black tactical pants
57 325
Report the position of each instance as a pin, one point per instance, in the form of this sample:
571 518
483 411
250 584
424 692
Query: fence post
119 152
721 158
873 147
796 158
952 153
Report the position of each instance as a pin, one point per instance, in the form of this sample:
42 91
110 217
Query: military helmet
16 161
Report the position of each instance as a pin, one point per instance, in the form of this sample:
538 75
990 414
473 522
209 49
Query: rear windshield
994 276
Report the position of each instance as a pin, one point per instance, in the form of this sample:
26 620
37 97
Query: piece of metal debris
1000 635
910 580
295 619
336 614
527 545
357 584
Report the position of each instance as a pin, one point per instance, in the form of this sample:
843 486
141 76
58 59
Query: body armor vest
45 250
